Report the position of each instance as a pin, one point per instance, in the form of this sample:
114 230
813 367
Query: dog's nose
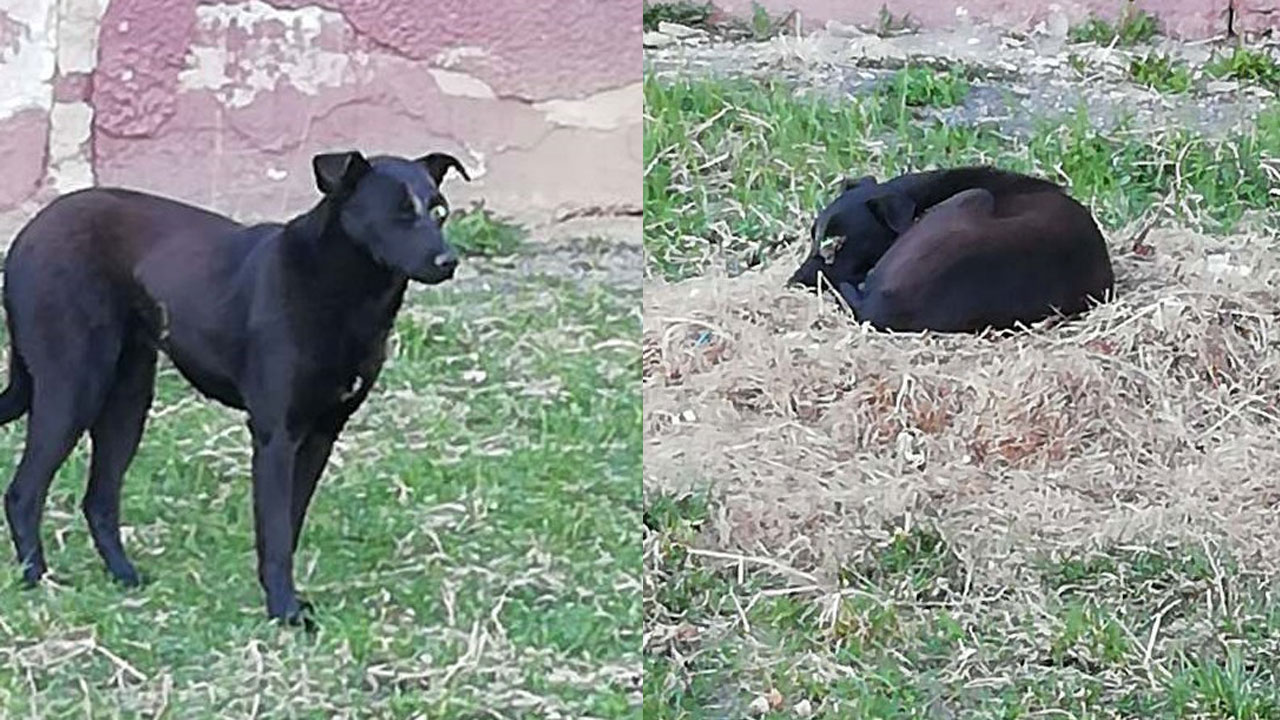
446 261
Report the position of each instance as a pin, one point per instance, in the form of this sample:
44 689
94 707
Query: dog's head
869 217
393 209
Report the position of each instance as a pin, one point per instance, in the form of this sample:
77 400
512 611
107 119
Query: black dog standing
287 321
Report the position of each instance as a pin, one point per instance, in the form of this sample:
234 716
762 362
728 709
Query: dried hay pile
1155 417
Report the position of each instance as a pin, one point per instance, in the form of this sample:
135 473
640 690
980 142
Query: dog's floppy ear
850 183
338 172
439 163
894 210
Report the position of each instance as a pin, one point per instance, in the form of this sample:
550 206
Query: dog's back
112 223
981 260
931 187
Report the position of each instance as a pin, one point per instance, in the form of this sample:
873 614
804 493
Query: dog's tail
16 398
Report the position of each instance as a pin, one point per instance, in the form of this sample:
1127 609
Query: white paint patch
608 110
26 70
454 56
265 61
462 85
70 125
78 27
478 166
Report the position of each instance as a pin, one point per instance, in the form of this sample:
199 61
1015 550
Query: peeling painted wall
1180 18
223 102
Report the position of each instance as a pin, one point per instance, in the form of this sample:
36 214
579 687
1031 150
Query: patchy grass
760 25
1249 65
919 86
476 232
736 169
683 12
890 25
1160 73
1133 27
473 550
911 629
1066 475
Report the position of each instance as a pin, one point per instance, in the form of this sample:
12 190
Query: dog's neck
335 262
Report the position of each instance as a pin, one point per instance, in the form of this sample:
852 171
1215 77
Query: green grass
473 551
1247 65
919 86
737 168
1160 73
761 25
911 631
1133 27
683 12
475 231
890 25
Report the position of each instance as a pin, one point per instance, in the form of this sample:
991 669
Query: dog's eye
439 212
831 247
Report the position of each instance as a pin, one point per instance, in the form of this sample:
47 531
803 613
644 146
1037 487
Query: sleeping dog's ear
338 173
439 163
850 183
894 210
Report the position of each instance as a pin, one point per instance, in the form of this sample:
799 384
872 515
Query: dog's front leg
274 456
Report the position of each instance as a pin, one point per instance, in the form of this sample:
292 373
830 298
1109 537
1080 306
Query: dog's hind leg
70 339
54 425
115 435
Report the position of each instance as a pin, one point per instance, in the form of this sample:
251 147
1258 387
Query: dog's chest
351 369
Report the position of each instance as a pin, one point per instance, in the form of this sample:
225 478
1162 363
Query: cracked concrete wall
223 102
1180 18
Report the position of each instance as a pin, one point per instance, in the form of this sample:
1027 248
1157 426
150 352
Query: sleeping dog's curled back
959 250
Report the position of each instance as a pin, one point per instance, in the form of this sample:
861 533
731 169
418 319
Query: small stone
759 706
803 709
676 30
1222 86
686 632
775 699
656 40
840 30
688 416
1057 25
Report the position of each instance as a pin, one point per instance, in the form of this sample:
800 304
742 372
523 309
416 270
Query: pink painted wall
223 102
1180 18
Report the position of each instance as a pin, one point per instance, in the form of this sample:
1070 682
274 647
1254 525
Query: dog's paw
129 577
31 574
300 615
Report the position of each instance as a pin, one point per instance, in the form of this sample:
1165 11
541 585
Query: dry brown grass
1154 417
